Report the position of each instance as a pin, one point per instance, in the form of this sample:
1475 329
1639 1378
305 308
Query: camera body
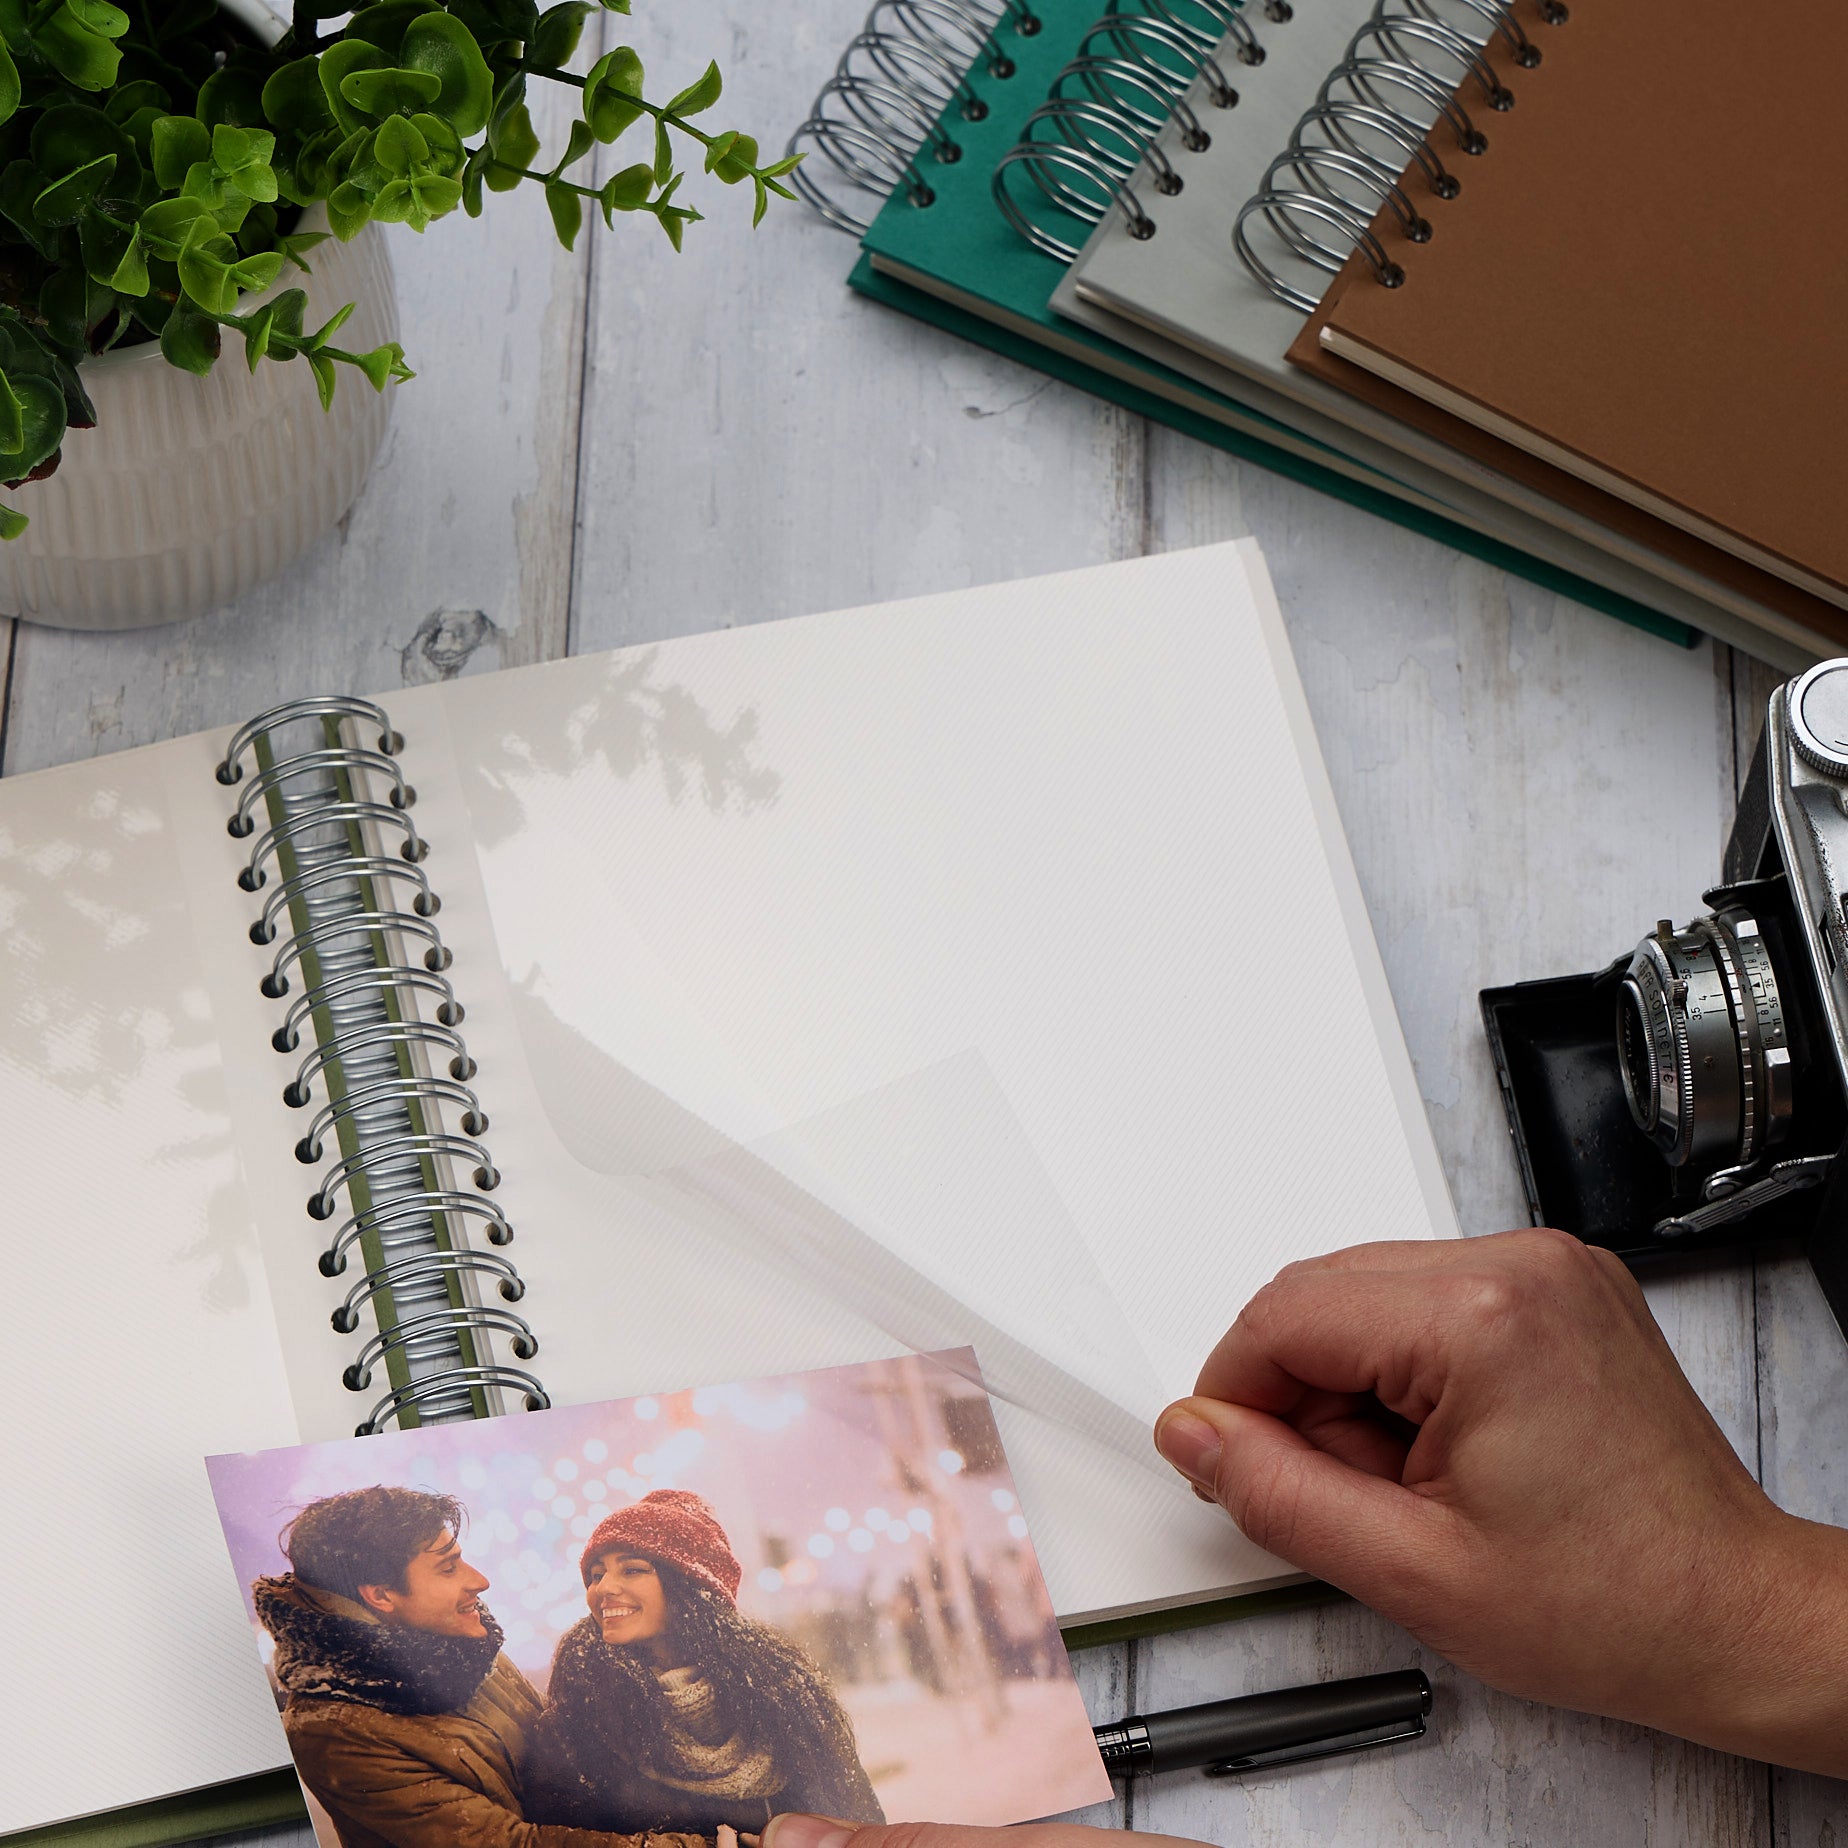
1693 1095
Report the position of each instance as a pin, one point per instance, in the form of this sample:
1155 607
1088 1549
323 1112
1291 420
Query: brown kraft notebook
1637 289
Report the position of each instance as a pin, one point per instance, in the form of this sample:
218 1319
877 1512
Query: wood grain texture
759 442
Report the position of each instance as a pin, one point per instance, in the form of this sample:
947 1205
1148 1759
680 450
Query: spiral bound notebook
781 997
1126 121
1679 347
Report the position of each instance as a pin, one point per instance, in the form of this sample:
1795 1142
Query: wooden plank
1104 1679
759 442
1499 757
455 556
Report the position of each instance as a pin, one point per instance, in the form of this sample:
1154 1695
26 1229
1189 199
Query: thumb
1369 1536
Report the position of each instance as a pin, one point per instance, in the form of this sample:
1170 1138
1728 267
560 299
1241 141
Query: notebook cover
1643 274
895 294
1184 295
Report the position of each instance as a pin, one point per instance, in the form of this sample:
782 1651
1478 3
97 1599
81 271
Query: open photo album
796 995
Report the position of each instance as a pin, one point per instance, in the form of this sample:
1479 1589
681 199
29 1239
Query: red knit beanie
679 1529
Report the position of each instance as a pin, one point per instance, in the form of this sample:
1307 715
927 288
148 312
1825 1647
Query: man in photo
406 1721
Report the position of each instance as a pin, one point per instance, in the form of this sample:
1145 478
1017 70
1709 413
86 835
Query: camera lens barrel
1701 1041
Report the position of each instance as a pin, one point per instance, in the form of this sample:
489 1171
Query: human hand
798 1831
1489 1441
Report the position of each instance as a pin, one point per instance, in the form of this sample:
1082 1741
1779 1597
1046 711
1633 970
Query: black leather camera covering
1586 1167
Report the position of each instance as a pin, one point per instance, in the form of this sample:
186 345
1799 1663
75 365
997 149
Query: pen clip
1323 1748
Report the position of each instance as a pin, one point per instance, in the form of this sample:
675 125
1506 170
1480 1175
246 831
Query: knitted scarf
329 1648
699 1754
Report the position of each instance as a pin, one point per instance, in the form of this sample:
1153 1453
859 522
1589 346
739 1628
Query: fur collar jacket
330 1648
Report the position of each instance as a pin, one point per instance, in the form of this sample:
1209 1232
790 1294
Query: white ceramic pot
190 490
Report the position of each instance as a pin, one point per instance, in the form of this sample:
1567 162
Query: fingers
1395 1319
1336 1330
1339 1520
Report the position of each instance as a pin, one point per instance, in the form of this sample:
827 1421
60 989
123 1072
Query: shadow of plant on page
110 1070
636 721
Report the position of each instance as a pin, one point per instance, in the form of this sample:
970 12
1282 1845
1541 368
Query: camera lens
1701 1043
1636 1051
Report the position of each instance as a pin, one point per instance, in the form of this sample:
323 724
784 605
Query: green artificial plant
154 160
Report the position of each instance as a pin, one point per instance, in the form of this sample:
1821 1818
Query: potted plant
190 265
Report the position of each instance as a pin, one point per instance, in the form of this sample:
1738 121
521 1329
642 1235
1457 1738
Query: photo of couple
813 1593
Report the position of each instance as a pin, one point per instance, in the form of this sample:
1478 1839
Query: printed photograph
677 1615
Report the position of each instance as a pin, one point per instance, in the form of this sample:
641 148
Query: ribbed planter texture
190 490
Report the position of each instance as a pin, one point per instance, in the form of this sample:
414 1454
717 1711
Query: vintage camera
1694 1094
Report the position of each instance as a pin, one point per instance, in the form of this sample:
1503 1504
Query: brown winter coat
420 1780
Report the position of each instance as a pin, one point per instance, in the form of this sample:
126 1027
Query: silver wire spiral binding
364 977
1400 97
875 124
1081 154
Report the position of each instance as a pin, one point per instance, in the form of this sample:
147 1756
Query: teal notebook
941 250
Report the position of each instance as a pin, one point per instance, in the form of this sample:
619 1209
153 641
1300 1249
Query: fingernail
798 1831
1191 1445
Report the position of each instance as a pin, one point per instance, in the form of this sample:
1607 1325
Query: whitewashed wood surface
620 445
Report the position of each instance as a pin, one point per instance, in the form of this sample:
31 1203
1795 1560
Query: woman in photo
670 1709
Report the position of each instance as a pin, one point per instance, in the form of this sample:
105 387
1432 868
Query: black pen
1256 1731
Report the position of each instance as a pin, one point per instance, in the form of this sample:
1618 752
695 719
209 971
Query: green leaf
255 273
99 16
170 221
21 183
131 274
9 83
81 57
288 309
12 522
296 242
626 191
257 330
383 364
190 341
738 158
383 25
180 142
231 94
332 325
205 266
398 147
294 101
556 36
349 211
697 96
12 416
445 145
611 92
339 62
577 144
788 164
473 177
65 200
567 210
324 378
663 155
243 156
384 93
442 46
762 204
516 143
